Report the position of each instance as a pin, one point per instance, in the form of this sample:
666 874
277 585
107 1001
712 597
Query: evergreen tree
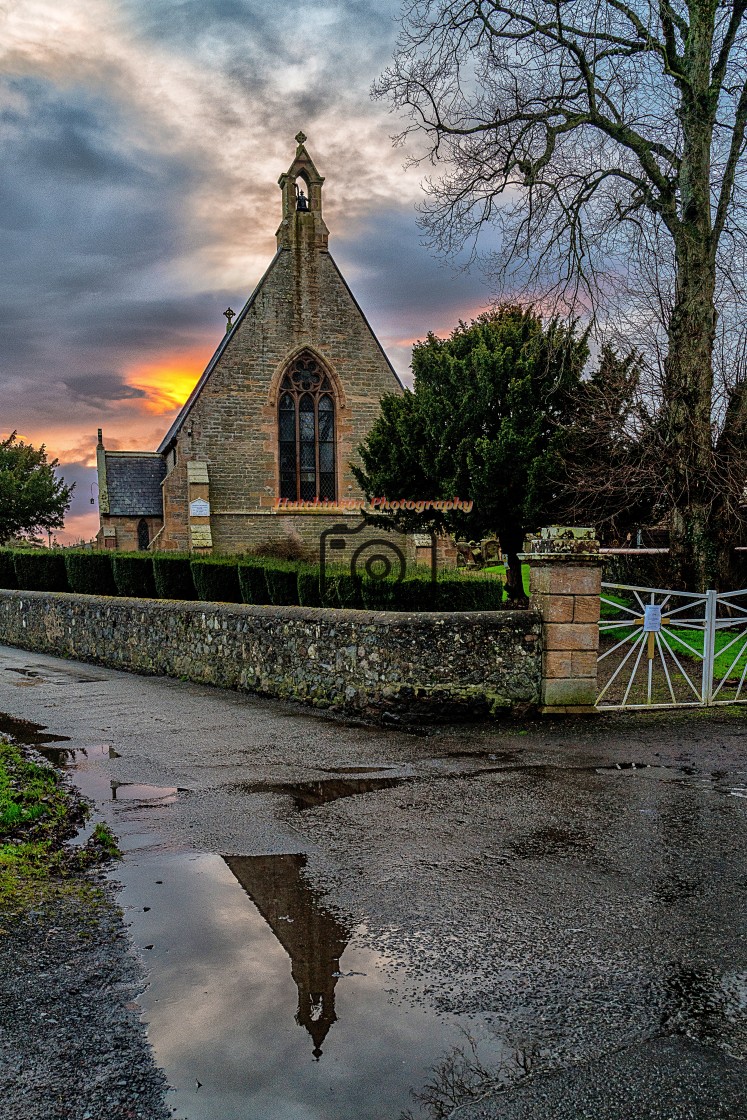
484 422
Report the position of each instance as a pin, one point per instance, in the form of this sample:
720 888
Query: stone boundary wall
430 665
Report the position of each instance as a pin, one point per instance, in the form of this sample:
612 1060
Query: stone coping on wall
425 666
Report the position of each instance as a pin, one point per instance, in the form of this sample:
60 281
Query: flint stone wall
438 665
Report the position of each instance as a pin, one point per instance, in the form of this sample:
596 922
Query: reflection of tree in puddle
709 1007
312 937
463 1076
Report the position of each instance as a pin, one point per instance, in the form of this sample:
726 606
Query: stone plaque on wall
199 508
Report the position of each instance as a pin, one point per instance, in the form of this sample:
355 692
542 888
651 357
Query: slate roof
133 481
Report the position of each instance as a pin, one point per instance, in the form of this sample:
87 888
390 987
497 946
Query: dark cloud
399 280
302 61
87 221
101 387
112 192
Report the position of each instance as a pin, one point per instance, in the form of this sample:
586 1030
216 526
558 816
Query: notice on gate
652 619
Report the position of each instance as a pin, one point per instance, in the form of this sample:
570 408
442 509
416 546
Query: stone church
274 420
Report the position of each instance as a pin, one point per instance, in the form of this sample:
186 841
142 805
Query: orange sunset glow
167 381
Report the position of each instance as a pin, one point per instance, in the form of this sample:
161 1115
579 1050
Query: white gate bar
709 644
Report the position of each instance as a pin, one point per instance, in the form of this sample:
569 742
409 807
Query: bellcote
302 224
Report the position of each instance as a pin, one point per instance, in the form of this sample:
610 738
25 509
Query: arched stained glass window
306 432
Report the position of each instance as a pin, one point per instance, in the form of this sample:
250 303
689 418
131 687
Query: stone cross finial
300 137
229 314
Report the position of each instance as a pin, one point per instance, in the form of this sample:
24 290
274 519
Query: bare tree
588 130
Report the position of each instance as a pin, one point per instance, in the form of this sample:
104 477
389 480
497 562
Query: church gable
291 391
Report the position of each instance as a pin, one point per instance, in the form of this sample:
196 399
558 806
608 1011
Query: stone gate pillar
565 584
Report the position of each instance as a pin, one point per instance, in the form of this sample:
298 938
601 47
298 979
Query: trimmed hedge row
254 580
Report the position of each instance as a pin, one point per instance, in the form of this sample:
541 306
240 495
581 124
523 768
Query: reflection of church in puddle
313 939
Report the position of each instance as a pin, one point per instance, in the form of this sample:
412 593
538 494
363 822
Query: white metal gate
662 649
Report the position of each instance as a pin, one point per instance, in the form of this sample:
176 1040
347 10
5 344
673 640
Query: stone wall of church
232 427
121 533
435 665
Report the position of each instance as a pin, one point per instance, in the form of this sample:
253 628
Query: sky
142 141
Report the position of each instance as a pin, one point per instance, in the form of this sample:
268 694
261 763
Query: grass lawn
501 569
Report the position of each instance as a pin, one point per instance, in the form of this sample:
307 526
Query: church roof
133 482
186 408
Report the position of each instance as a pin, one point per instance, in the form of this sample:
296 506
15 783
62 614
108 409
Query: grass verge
39 814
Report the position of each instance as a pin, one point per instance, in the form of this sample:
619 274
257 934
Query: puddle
261 1001
322 791
132 791
308 795
374 768
71 756
28 733
43 674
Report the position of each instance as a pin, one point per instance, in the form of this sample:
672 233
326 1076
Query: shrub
282 583
172 576
739 572
308 586
640 571
90 573
133 575
216 581
40 570
7 569
468 593
253 583
286 549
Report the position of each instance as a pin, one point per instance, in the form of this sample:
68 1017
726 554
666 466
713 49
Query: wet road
513 921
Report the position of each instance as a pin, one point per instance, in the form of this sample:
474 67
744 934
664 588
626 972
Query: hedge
7 570
308 586
379 594
416 592
40 570
254 580
253 583
133 574
216 581
90 573
468 593
282 583
172 576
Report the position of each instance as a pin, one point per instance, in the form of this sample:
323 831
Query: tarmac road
578 887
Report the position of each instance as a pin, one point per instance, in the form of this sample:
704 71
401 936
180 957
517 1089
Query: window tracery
306 432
